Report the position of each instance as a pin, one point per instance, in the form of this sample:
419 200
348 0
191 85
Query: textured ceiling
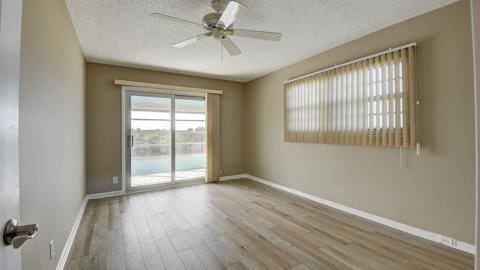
122 32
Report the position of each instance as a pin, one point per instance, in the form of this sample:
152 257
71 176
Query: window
367 102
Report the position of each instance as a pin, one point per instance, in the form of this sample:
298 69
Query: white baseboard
71 236
435 237
73 232
232 177
104 194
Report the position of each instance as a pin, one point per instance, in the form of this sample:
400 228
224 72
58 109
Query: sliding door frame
128 91
475 20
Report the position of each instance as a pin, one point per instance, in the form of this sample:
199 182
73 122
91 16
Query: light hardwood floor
243 225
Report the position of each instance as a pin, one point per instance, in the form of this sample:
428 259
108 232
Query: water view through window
151 128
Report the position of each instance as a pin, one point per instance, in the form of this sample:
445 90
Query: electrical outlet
115 179
448 241
52 249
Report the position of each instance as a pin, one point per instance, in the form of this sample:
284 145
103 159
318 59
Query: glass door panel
150 140
190 138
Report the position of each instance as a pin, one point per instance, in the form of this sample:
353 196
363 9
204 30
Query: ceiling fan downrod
218 5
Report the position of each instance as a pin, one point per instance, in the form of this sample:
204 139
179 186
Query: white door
10 31
165 139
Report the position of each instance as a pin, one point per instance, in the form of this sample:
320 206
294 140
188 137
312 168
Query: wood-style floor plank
239 225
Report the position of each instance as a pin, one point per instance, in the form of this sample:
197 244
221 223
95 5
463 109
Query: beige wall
52 128
104 120
434 191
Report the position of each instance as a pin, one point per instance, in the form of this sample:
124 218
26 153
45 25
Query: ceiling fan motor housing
210 20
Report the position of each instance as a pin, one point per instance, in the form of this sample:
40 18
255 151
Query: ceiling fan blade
272 36
230 46
230 14
190 41
174 19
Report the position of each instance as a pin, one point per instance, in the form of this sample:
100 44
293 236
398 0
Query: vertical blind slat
365 102
320 101
389 99
343 94
412 90
372 102
356 96
378 94
397 94
405 98
335 138
311 107
384 96
327 116
351 106
286 111
296 122
303 112
330 109
306 101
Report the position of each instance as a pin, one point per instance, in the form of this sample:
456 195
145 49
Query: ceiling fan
219 25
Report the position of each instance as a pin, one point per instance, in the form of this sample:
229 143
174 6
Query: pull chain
221 49
400 158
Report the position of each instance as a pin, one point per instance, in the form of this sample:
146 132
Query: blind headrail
413 44
167 87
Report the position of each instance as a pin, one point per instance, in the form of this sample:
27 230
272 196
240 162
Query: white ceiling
122 32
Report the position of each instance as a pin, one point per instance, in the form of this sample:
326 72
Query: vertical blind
213 138
370 102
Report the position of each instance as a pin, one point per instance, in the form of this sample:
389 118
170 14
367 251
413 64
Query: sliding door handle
130 141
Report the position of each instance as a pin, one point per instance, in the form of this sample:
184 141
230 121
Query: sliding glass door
165 139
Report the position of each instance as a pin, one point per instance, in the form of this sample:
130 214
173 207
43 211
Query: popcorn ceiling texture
122 32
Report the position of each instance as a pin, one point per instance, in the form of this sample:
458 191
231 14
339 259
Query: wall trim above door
167 87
